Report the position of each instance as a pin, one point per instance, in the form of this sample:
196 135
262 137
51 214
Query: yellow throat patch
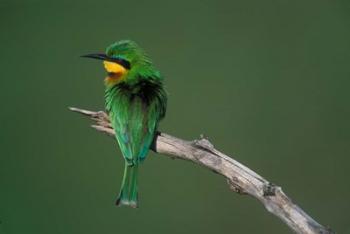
116 73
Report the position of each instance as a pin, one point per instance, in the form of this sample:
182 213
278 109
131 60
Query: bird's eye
125 63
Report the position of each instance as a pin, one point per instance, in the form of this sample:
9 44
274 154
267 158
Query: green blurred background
267 81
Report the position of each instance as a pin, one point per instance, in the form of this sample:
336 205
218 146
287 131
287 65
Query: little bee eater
135 102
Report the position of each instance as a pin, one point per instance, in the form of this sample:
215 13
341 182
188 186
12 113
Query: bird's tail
128 192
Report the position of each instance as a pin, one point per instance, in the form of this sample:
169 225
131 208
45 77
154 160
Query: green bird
135 101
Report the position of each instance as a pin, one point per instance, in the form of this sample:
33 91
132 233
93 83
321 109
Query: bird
135 101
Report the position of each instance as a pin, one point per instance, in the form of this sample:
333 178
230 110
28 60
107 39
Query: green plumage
135 106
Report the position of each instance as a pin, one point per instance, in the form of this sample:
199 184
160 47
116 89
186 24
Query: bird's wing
135 122
155 113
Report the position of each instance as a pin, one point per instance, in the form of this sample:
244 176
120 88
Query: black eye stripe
122 62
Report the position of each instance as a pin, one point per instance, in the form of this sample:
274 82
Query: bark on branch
240 178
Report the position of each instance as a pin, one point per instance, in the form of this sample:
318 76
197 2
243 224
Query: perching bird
135 102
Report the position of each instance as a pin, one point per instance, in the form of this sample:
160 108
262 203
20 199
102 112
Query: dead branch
240 178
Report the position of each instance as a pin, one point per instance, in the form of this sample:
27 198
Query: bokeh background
267 81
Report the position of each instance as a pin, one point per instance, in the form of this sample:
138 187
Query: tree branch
240 178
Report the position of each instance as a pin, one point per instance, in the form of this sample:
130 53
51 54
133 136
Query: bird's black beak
97 56
126 64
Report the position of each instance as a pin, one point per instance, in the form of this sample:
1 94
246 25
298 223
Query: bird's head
124 61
